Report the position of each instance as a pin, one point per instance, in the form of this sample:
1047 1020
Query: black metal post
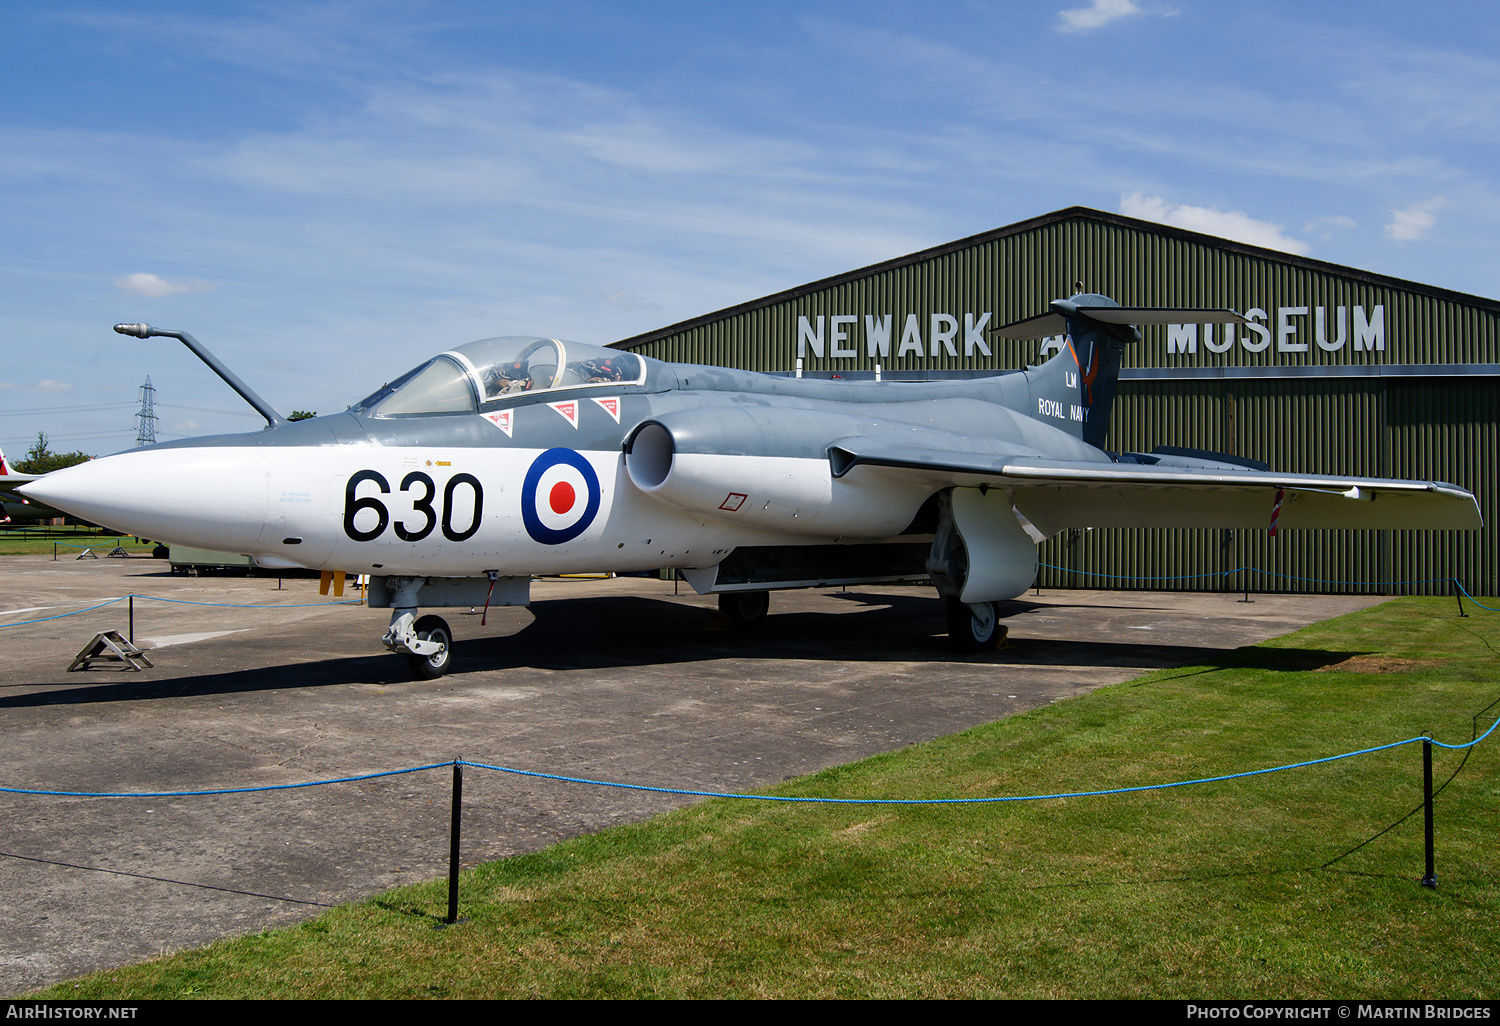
1430 880
1458 595
458 799
132 619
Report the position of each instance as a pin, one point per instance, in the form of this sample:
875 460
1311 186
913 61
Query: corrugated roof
1045 220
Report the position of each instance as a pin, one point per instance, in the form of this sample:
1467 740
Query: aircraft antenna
145 418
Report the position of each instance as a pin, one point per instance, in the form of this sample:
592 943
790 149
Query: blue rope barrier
190 602
1048 566
687 792
59 616
1368 584
1267 573
95 545
1127 577
221 790
1472 599
265 605
979 801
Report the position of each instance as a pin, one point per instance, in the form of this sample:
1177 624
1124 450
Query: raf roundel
560 497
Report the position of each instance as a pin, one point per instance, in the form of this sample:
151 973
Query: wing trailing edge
1056 495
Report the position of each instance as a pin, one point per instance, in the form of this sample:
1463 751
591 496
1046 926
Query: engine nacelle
690 460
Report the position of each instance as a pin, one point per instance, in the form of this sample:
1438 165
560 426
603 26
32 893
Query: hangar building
1340 371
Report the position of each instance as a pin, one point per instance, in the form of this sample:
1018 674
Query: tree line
40 459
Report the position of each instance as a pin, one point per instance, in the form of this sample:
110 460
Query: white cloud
48 385
1323 226
154 287
1097 15
1228 224
1414 221
623 299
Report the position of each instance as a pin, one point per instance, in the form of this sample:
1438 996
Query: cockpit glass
442 386
509 366
531 369
495 369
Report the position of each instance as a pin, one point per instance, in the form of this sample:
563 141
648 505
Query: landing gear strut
1005 555
427 643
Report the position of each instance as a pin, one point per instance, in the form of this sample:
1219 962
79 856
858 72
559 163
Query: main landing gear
973 627
427 643
1005 554
745 608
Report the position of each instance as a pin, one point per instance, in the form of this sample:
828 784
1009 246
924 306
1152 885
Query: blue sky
327 193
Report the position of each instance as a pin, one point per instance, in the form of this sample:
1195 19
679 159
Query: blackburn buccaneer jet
510 457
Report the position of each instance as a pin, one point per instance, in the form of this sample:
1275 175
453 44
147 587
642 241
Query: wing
1059 494
9 477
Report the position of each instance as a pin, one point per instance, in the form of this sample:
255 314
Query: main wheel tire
432 628
745 608
972 628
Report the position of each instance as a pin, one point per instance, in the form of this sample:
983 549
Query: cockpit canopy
493 369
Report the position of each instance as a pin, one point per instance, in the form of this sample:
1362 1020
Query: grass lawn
69 541
1292 885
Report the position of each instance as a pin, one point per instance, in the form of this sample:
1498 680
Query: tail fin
1075 390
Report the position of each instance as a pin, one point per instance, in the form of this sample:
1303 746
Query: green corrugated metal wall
1442 428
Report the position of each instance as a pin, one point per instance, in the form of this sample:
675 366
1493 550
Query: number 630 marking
354 503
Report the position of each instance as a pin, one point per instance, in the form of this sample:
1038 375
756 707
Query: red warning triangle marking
569 410
610 406
501 420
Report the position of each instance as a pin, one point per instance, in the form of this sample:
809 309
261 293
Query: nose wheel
426 644
431 631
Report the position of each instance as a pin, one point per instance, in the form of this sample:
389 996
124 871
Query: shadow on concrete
618 632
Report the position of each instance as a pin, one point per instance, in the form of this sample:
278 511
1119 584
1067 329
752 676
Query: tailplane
1075 390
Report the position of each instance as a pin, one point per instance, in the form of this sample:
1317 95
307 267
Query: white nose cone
211 498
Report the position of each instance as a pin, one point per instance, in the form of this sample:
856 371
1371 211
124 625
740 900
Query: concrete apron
629 680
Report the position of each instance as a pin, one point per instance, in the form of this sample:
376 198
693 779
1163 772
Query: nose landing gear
427 643
431 631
